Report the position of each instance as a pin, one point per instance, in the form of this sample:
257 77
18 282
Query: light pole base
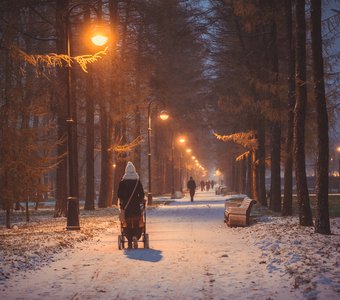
72 227
72 214
149 199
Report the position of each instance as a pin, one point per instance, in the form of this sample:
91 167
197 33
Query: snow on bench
238 215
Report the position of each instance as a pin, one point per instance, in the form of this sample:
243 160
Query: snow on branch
245 139
127 147
53 60
243 156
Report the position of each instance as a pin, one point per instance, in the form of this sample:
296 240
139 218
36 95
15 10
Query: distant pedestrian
207 185
202 184
212 183
191 185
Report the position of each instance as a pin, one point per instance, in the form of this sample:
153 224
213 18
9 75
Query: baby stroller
141 235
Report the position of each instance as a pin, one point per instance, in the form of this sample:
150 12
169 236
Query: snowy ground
192 255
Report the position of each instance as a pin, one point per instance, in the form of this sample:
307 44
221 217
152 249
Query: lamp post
181 140
172 166
72 199
163 116
188 151
338 149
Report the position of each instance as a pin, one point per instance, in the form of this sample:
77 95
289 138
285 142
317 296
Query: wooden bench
238 215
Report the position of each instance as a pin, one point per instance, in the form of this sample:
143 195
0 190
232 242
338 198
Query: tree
275 187
61 174
287 206
305 213
322 214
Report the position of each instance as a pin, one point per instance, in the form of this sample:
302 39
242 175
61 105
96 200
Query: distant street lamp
163 116
72 199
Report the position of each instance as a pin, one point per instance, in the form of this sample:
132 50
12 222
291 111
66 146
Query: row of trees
241 67
265 71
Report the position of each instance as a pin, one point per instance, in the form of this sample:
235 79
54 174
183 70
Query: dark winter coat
191 185
125 189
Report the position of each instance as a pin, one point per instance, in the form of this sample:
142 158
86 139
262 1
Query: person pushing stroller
131 199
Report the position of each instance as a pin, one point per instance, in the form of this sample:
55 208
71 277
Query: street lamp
72 199
163 116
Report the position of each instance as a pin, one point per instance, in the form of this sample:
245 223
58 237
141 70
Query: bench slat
239 216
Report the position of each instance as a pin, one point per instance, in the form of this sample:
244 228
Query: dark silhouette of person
191 185
207 185
131 186
202 184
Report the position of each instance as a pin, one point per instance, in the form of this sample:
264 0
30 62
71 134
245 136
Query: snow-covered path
192 255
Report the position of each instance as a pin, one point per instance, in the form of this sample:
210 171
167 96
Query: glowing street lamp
99 39
182 140
164 115
72 199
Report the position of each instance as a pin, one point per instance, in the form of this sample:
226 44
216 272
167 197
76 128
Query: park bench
238 215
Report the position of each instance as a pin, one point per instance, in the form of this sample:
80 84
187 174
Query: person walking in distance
191 185
202 184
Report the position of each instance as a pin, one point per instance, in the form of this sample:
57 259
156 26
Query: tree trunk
254 187
237 177
244 175
275 185
102 201
232 177
109 164
8 216
61 172
138 149
261 169
305 213
249 175
287 207
90 184
322 213
120 159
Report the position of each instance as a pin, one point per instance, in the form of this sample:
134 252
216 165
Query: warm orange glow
182 140
164 115
99 39
338 149
193 157
188 150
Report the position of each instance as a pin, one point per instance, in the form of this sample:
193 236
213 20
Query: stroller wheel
146 241
120 242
